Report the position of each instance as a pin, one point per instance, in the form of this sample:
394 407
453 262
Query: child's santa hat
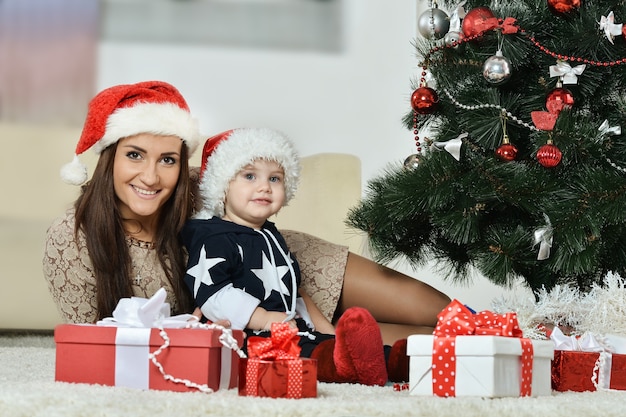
130 109
225 154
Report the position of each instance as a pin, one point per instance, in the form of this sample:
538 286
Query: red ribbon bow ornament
507 25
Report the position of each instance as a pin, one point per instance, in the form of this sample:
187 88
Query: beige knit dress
68 271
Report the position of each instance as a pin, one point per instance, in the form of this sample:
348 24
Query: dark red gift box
120 356
573 371
280 378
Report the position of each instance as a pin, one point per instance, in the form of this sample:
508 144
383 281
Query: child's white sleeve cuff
232 304
302 311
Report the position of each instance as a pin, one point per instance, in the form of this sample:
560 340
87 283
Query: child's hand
262 319
277 317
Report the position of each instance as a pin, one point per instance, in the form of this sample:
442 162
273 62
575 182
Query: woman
106 248
120 238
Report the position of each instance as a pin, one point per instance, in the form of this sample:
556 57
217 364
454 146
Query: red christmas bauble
474 21
424 100
558 99
506 152
563 6
549 155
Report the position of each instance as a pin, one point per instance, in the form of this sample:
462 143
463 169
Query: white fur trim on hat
125 110
157 118
240 148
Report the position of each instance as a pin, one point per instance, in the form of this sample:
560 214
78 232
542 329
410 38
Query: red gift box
274 367
574 370
282 378
120 356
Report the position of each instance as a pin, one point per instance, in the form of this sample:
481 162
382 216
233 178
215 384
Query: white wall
351 102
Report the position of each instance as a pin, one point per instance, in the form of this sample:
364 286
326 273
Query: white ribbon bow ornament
605 129
543 237
564 70
610 28
456 16
452 146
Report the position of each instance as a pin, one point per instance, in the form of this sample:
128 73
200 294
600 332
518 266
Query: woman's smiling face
145 173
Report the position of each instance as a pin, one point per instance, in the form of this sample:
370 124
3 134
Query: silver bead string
510 115
614 165
513 118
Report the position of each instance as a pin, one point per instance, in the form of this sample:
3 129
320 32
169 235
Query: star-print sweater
233 269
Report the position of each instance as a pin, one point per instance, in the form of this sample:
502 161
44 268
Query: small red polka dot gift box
481 354
274 369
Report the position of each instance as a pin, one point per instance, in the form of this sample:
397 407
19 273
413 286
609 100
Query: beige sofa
33 195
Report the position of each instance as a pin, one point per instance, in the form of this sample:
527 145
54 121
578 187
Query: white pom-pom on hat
225 154
75 172
129 109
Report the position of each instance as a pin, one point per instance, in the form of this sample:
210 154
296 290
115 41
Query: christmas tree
519 170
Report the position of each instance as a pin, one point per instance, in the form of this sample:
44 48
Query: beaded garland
535 42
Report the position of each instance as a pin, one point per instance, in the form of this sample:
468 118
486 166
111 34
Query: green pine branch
482 213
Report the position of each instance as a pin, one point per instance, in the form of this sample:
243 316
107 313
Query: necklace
135 246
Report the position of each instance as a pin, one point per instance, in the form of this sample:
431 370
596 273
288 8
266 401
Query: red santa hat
124 110
225 154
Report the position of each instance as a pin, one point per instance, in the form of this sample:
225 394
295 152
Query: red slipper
358 354
398 362
326 370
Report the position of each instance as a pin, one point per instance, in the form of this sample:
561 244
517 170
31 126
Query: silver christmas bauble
433 24
497 69
412 162
451 37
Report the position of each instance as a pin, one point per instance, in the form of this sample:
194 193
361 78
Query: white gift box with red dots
482 366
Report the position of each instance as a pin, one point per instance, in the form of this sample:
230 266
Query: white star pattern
201 271
271 276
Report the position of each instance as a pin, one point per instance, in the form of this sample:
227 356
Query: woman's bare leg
401 304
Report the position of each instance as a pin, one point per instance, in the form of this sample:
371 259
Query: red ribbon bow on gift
282 344
458 320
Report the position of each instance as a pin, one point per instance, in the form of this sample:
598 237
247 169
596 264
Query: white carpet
27 388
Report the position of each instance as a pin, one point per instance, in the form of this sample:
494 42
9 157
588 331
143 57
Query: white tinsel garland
601 311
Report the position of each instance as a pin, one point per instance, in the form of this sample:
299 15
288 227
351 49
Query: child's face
256 193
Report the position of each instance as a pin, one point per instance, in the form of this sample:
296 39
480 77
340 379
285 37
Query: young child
241 270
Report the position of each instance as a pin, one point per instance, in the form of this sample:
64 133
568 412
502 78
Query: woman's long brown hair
98 216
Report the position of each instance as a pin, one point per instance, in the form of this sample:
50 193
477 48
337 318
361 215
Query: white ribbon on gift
142 312
586 343
564 70
452 146
601 375
132 348
610 28
135 317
